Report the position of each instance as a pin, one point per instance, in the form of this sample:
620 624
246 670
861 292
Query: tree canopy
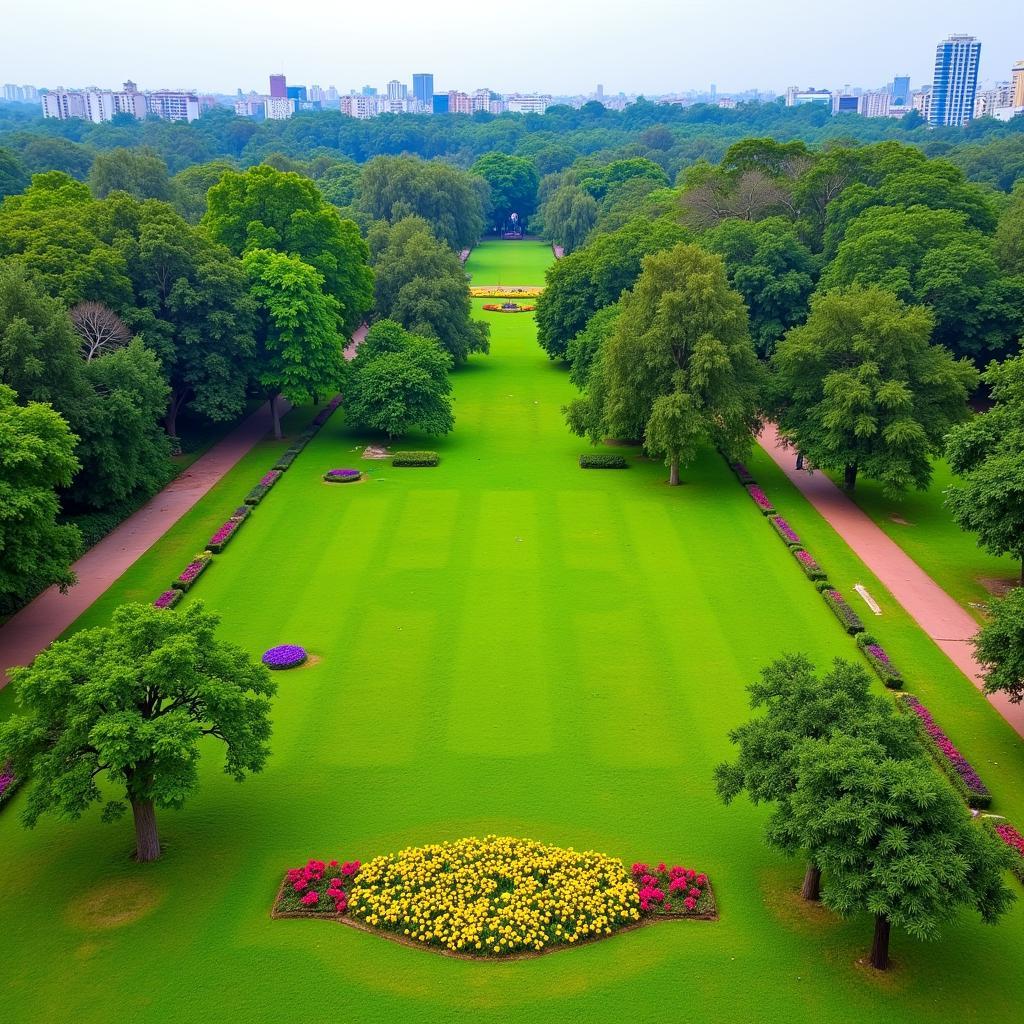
513 183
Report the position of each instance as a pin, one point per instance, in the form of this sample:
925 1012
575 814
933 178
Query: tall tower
423 90
278 87
955 82
1018 84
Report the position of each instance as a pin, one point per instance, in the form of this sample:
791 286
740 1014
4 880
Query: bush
1007 834
809 564
743 474
843 612
761 500
415 459
169 598
192 571
342 476
880 661
958 769
220 539
242 512
785 531
260 491
602 460
288 457
8 784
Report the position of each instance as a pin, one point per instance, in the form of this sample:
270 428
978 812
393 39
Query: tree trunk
673 473
275 417
177 400
812 882
147 838
850 477
880 944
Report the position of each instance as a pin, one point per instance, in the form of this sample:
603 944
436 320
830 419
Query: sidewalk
38 624
928 604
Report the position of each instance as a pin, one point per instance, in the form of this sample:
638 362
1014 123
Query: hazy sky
560 46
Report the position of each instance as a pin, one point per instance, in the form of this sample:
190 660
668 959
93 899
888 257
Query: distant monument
513 227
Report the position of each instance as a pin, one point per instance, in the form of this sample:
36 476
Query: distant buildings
423 91
278 87
527 103
1018 85
20 93
99 105
796 97
955 82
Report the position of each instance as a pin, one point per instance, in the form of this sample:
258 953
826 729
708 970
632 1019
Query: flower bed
843 612
743 474
602 460
1013 839
959 770
761 499
342 476
284 656
508 307
880 661
785 531
219 540
242 512
415 459
809 564
288 457
192 571
260 491
493 897
8 784
169 598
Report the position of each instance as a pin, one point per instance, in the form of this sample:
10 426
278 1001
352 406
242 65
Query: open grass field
491 264
920 523
505 643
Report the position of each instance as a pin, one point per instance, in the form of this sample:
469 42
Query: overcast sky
559 46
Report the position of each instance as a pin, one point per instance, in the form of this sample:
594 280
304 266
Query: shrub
880 661
743 474
761 499
242 512
219 540
785 531
602 460
808 563
288 457
259 492
192 571
843 612
8 784
284 656
1013 839
342 476
169 598
415 459
957 768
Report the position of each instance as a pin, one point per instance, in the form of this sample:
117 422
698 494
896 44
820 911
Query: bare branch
100 329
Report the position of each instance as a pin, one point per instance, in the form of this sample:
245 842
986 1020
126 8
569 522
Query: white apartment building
63 104
99 106
481 100
527 103
876 104
173 106
278 108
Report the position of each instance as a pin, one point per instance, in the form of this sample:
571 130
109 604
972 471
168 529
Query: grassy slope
949 555
509 644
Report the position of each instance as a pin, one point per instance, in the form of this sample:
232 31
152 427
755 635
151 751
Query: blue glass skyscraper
955 82
423 91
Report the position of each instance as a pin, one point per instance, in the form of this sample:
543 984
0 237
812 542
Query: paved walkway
38 624
935 611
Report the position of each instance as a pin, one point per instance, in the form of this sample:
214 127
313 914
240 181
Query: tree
100 328
711 195
13 174
680 364
263 208
893 839
772 269
859 388
584 350
191 185
568 216
1009 238
139 172
999 646
399 381
800 705
513 181
987 454
36 456
299 350
131 702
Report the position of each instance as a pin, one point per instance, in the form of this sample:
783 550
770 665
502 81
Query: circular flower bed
284 656
508 307
342 476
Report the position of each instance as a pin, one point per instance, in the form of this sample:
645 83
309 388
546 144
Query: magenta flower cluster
658 886
284 656
271 478
760 498
785 530
308 881
6 780
191 572
225 531
168 599
961 768
342 476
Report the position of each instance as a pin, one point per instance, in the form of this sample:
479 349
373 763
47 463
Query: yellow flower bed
505 292
495 895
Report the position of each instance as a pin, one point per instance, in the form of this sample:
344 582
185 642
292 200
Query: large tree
263 208
799 704
139 172
299 351
987 454
679 368
860 389
513 181
893 840
999 646
131 702
399 381
36 457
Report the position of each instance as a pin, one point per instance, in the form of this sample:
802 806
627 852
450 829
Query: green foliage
599 181
602 460
513 181
679 368
139 172
585 348
1009 238
132 701
191 185
36 456
13 174
415 459
399 381
568 217
860 388
999 646
987 453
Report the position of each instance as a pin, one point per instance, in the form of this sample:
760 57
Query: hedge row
761 500
848 618
408 459
880 661
1007 834
785 531
262 489
742 473
602 460
809 564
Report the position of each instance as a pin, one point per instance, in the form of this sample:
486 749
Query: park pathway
933 609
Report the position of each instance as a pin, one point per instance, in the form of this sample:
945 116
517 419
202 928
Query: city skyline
693 46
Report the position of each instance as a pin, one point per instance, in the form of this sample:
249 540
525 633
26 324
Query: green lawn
505 643
921 525
492 264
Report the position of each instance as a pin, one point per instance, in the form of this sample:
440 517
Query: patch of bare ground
376 451
780 892
115 903
998 587
899 520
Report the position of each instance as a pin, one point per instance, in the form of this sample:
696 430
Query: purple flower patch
784 530
168 599
284 656
760 499
342 476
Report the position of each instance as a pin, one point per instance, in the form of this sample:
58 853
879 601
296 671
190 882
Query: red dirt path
934 610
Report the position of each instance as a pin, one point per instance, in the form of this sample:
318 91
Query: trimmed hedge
743 474
169 598
849 619
602 460
880 661
241 513
760 499
809 564
785 531
193 571
260 491
415 459
288 457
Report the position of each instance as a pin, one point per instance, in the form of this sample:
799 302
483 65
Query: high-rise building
599 95
481 100
63 104
531 103
423 90
955 82
279 108
1018 84
440 103
900 92
297 93
397 90
459 103
278 87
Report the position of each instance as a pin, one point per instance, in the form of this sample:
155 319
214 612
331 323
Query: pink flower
350 867
689 903
311 897
299 885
